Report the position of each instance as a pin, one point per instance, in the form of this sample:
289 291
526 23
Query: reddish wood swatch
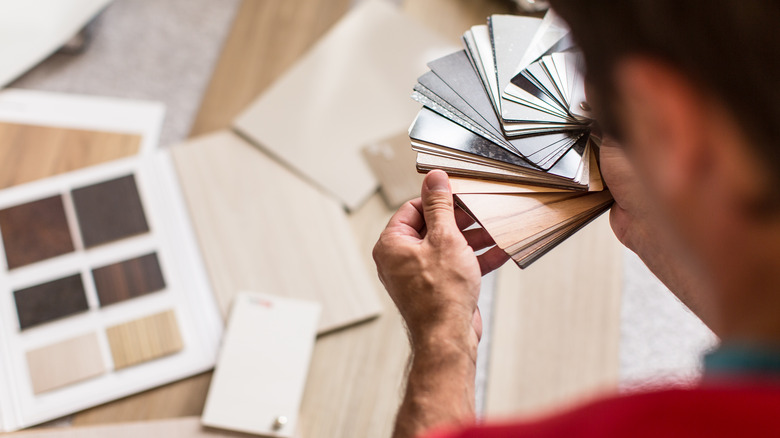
35 231
128 279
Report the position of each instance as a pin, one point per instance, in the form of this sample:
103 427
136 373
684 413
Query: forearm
440 385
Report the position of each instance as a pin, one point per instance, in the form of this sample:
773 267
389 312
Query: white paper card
261 371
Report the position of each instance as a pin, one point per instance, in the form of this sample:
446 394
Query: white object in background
261 371
31 30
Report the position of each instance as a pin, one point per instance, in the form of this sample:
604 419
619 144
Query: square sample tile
35 231
144 339
64 363
128 279
109 211
49 301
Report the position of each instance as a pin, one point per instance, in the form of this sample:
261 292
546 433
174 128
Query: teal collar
743 361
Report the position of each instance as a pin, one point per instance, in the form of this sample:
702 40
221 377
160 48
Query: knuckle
439 201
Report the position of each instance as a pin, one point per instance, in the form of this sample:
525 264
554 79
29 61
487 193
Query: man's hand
428 266
641 228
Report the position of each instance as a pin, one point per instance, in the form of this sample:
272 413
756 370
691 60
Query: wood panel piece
350 89
31 152
364 362
109 211
128 279
35 231
263 229
65 362
144 339
49 301
266 39
556 327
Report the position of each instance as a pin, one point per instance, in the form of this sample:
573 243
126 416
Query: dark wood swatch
35 231
49 301
109 211
128 279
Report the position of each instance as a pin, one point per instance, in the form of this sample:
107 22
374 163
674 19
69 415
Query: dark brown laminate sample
109 211
35 231
49 301
128 279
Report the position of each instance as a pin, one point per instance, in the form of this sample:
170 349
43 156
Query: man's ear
664 118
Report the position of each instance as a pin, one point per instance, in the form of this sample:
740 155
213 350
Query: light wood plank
266 39
261 228
556 327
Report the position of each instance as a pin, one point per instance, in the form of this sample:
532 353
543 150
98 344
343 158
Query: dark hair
730 47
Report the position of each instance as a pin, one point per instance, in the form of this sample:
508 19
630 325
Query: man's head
692 89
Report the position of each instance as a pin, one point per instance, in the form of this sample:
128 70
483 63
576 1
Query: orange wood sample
31 152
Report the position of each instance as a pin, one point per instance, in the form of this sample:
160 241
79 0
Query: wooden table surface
354 385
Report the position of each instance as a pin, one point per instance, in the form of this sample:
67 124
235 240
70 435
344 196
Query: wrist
447 340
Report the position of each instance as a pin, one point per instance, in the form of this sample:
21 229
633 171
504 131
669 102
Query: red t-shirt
725 411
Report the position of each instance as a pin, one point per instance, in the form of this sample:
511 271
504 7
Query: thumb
437 203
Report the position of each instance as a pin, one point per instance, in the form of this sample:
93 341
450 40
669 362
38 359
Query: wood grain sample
144 339
35 231
556 327
526 226
109 211
128 279
31 152
65 362
262 228
49 301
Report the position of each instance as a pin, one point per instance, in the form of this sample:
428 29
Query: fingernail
437 181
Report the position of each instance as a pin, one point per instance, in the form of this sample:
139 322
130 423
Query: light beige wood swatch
351 88
556 327
262 228
144 339
30 152
393 162
65 362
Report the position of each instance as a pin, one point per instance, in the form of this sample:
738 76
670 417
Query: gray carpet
145 49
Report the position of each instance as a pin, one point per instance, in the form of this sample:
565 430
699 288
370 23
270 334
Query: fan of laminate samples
507 119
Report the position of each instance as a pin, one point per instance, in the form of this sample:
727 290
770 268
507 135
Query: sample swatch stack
507 119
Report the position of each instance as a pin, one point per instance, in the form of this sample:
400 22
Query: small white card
261 371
